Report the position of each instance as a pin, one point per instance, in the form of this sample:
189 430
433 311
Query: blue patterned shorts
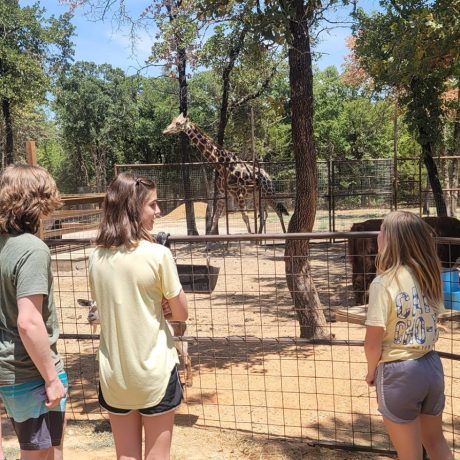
36 426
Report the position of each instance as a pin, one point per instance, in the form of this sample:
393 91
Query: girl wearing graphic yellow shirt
405 300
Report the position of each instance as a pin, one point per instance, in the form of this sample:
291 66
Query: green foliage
154 102
412 49
350 124
34 49
177 33
95 109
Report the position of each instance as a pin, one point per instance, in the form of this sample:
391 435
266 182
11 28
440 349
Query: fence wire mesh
251 370
346 191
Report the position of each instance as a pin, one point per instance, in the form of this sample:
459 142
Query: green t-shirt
25 269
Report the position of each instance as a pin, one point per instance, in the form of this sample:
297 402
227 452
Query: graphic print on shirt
416 323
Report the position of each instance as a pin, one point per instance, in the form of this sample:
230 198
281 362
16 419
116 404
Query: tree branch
255 94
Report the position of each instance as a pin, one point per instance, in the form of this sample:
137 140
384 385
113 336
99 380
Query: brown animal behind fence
362 251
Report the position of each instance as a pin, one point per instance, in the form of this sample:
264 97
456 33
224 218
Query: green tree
95 109
412 48
33 51
330 97
154 99
177 28
290 23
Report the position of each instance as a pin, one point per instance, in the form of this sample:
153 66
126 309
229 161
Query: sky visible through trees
104 42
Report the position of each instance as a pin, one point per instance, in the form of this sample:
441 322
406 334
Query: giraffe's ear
181 117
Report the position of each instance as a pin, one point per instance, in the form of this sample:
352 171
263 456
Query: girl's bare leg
158 434
433 438
406 438
127 434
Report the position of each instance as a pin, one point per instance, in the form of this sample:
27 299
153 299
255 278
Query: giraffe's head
177 125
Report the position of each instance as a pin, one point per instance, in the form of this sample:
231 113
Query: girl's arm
176 309
34 336
373 350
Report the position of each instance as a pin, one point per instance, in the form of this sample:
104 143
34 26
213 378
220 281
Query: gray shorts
406 389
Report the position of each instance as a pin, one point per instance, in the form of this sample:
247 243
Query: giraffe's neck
208 148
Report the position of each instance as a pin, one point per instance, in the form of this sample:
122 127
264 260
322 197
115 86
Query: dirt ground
253 383
94 441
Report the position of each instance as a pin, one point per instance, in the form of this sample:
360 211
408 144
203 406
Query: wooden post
31 153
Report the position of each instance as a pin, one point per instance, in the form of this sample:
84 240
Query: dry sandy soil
94 441
253 383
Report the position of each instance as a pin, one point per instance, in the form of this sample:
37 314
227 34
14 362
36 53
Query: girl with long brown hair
135 283
405 300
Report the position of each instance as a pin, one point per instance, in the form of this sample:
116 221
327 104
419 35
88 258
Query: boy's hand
55 391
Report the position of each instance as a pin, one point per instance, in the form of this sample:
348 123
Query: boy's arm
34 336
373 350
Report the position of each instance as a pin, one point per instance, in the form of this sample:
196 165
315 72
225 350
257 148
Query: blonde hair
122 211
409 241
27 193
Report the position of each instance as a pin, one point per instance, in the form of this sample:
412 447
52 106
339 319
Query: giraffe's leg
263 215
263 218
217 213
281 220
242 205
278 213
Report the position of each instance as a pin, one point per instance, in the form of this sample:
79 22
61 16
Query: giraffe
235 176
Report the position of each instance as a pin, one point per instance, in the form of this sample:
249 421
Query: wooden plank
83 198
73 213
354 315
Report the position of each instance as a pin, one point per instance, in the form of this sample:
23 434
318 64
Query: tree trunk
454 185
298 271
433 177
184 143
454 172
9 140
223 120
445 181
99 163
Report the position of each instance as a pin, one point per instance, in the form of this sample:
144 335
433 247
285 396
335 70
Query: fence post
420 210
329 194
31 155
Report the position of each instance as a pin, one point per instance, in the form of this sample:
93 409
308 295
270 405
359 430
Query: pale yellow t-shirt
136 353
410 323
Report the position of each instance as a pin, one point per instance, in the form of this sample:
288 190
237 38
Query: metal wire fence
251 371
347 191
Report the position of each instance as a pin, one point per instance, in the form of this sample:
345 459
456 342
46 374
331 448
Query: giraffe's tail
282 209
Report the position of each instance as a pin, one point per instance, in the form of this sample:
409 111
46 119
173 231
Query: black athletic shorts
171 400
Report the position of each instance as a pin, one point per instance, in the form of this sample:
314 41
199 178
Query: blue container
455 300
450 281
451 288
